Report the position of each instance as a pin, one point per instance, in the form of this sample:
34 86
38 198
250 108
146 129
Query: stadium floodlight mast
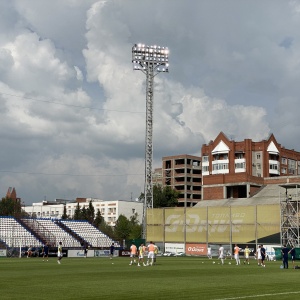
151 60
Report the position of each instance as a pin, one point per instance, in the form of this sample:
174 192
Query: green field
172 278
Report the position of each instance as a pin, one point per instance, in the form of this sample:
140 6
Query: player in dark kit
263 255
85 250
293 255
45 252
112 250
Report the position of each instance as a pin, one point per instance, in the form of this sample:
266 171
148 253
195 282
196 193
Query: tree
90 213
10 207
64 215
136 228
141 197
106 229
83 215
122 228
98 219
170 197
77 213
164 196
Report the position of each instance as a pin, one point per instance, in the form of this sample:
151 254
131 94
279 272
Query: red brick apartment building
183 173
239 169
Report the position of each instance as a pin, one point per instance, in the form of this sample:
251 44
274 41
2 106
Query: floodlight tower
151 60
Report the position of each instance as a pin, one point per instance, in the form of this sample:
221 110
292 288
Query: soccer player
142 250
151 249
59 252
236 251
45 252
112 250
293 255
285 257
209 252
85 249
133 251
29 252
155 252
263 255
247 255
221 254
258 255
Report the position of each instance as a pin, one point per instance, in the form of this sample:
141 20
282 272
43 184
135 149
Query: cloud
72 109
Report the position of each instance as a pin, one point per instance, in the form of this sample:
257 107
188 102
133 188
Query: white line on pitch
255 296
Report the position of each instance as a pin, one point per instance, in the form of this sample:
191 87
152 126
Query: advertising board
80 253
196 249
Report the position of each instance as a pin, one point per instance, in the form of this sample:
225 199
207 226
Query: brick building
233 169
12 194
183 173
157 177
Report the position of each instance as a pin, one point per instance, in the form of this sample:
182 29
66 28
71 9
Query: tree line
124 229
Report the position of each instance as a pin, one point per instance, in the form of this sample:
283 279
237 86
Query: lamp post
151 60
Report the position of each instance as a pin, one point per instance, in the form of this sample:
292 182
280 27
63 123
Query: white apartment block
110 210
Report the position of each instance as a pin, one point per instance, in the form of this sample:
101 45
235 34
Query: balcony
274 167
240 165
220 166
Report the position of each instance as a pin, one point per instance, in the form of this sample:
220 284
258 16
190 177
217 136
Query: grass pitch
171 278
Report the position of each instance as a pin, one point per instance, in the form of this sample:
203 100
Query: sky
72 109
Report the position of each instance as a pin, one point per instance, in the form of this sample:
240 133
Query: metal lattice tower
290 218
151 60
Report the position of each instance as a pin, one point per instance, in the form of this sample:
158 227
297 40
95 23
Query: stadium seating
71 233
60 235
89 233
13 234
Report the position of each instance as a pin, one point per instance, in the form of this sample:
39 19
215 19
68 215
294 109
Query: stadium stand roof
269 194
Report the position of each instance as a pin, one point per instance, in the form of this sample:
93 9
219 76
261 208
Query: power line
71 105
74 175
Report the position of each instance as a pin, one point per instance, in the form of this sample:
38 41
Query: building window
205 168
292 163
239 155
133 210
240 165
220 167
292 166
284 161
257 155
111 210
258 166
205 159
283 170
273 167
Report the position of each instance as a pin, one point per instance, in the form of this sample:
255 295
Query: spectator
29 252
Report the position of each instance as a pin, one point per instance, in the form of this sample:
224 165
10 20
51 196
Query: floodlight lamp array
143 56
